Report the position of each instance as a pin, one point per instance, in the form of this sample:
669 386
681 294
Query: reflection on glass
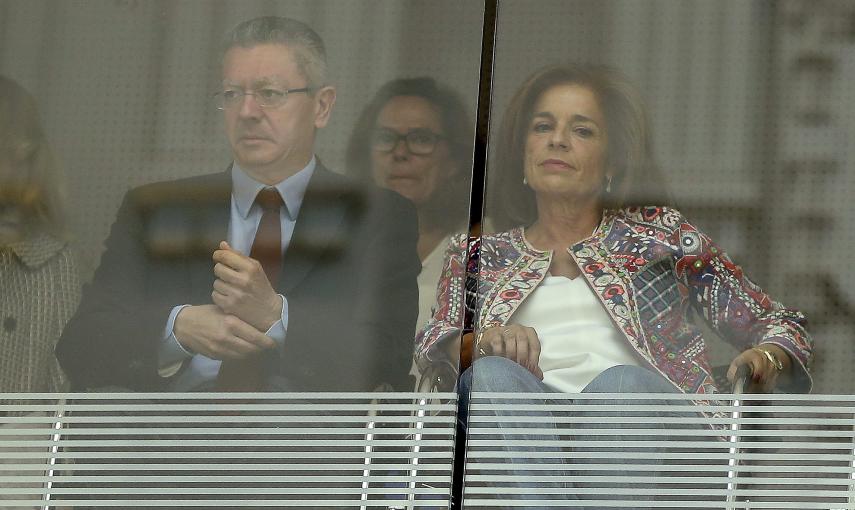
40 287
414 138
347 279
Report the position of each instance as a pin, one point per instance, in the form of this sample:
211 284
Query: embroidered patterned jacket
652 271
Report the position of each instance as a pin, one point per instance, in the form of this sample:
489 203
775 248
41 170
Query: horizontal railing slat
230 467
233 503
258 479
760 457
220 418
197 491
213 431
653 480
632 503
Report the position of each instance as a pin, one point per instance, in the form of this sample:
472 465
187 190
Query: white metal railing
389 450
661 451
396 451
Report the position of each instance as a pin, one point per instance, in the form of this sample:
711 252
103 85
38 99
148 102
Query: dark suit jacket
349 275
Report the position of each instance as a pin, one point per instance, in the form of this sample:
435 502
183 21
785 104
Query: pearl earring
525 181
608 184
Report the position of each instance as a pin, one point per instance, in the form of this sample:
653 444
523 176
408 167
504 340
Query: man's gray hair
307 45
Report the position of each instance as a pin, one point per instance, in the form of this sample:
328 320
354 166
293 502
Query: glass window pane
258 197
661 181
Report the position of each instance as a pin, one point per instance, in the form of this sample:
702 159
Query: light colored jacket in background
40 291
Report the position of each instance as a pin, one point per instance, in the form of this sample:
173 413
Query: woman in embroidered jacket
590 289
38 277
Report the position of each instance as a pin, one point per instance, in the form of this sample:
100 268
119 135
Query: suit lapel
319 232
213 200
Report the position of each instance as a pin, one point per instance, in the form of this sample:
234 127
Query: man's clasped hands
244 308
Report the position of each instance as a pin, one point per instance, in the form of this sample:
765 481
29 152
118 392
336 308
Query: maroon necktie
248 374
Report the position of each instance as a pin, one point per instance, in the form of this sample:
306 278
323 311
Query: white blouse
577 337
427 281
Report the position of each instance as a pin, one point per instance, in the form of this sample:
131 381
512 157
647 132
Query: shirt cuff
279 328
170 350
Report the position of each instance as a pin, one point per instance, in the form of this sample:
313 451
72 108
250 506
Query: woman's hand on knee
515 342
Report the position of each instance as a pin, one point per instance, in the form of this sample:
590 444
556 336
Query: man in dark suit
313 285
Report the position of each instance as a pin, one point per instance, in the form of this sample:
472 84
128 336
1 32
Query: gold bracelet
771 357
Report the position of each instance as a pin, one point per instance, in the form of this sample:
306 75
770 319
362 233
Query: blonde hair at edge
29 176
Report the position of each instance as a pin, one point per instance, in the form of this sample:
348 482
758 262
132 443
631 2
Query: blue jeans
499 375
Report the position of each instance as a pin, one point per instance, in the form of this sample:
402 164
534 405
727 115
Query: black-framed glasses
268 97
418 141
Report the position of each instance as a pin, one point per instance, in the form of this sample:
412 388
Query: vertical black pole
476 211
482 127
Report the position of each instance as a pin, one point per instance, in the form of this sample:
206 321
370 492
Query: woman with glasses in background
414 138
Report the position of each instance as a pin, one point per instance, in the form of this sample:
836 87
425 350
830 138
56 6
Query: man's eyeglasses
418 141
267 97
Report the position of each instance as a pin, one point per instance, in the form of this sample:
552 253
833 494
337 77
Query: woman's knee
498 374
629 379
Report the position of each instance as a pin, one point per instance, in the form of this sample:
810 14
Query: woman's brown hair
635 178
